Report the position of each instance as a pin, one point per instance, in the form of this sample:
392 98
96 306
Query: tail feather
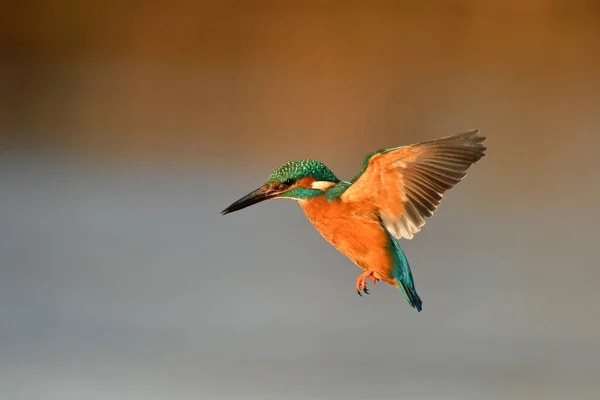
403 275
411 296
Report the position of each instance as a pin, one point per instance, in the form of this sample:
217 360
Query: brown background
130 125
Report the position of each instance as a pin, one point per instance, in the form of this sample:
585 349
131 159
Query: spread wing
407 183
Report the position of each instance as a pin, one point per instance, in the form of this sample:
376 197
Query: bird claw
364 290
361 282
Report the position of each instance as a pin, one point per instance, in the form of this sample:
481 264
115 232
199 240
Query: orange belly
355 231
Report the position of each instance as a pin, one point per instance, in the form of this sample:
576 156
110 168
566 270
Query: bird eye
289 182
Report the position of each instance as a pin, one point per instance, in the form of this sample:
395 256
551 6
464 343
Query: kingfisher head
296 180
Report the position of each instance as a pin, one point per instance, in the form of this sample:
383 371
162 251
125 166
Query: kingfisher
389 199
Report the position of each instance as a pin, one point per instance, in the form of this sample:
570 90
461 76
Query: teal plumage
402 273
295 170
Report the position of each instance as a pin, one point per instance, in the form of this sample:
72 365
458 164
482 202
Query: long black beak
256 196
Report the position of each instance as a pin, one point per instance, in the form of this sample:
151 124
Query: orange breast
354 230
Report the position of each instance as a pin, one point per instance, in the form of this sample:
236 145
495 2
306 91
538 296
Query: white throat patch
322 185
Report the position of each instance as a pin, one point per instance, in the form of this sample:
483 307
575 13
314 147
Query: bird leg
361 282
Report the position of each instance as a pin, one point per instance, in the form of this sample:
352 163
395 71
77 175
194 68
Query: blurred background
128 126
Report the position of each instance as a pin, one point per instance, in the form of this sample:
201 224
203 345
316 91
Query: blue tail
403 275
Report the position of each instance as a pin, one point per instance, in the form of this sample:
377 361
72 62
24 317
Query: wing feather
406 184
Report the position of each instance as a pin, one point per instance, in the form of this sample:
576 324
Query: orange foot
361 282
